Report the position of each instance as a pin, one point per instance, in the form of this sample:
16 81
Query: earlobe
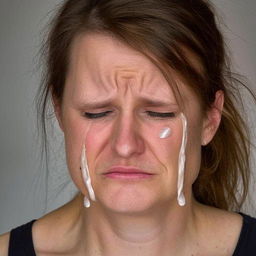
213 119
57 111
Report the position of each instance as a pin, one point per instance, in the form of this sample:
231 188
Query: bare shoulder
53 232
225 220
4 243
223 230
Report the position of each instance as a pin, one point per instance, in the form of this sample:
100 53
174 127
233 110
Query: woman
144 96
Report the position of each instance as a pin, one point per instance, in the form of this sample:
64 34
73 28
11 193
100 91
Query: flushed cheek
97 141
78 132
169 156
160 151
74 134
164 141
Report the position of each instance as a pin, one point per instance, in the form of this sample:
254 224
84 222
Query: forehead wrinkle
147 80
142 81
140 78
85 73
124 77
105 84
131 62
102 76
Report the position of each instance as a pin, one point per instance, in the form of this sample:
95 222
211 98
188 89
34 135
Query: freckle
165 133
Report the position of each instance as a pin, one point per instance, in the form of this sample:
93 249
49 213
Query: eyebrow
145 101
157 103
95 104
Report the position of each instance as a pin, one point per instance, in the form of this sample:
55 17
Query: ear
57 110
213 118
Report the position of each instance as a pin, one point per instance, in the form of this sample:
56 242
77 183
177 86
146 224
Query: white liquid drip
165 133
87 178
182 160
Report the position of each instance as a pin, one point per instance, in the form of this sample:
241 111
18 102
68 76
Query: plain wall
22 178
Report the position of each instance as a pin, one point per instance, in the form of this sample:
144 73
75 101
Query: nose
126 140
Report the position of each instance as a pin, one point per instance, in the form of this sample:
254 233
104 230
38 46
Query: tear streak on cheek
87 178
166 133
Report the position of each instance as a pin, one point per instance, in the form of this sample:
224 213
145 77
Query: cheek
74 133
193 153
97 140
95 136
158 152
164 140
165 147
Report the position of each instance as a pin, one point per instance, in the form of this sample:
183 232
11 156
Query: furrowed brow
95 104
143 101
156 103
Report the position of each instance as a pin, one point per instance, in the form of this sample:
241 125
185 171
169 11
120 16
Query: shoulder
228 230
54 232
4 243
221 220
221 230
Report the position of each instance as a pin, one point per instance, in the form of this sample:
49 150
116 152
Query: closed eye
149 113
96 115
161 114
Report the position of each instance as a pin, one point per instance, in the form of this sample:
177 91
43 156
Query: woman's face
116 103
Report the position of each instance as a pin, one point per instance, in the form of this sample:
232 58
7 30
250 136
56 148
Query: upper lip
125 169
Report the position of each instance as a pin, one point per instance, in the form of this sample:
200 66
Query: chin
128 200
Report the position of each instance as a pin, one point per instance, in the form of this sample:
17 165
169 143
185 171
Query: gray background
22 179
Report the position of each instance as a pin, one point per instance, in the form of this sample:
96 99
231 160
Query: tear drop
165 133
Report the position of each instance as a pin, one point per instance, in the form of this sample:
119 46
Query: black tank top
21 242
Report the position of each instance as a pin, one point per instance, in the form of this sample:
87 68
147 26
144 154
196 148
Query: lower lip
123 176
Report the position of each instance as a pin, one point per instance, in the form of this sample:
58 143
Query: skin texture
127 136
132 217
106 75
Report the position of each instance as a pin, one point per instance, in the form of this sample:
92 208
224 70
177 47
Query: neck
159 232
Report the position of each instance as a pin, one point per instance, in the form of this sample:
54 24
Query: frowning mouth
127 173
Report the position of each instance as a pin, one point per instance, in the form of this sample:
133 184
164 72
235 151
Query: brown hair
163 29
